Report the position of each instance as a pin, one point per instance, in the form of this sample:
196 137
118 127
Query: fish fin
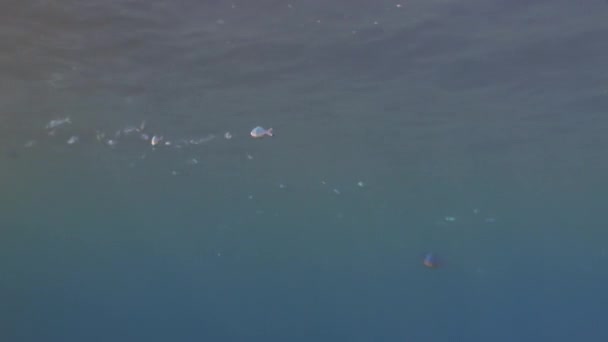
269 131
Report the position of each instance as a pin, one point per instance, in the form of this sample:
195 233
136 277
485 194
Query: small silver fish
260 132
156 140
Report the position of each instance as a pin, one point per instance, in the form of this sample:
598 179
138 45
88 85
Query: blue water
471 129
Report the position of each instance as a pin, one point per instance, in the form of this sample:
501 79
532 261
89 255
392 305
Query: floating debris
250 157
227 135
360 184
450 218
260 132
100 135
29 143
179 144
202 140
336 191
73 139
129 130
57 123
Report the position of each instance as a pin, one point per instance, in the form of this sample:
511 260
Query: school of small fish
134 133
154 139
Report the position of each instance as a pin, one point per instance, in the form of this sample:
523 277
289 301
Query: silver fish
156 140
259 132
